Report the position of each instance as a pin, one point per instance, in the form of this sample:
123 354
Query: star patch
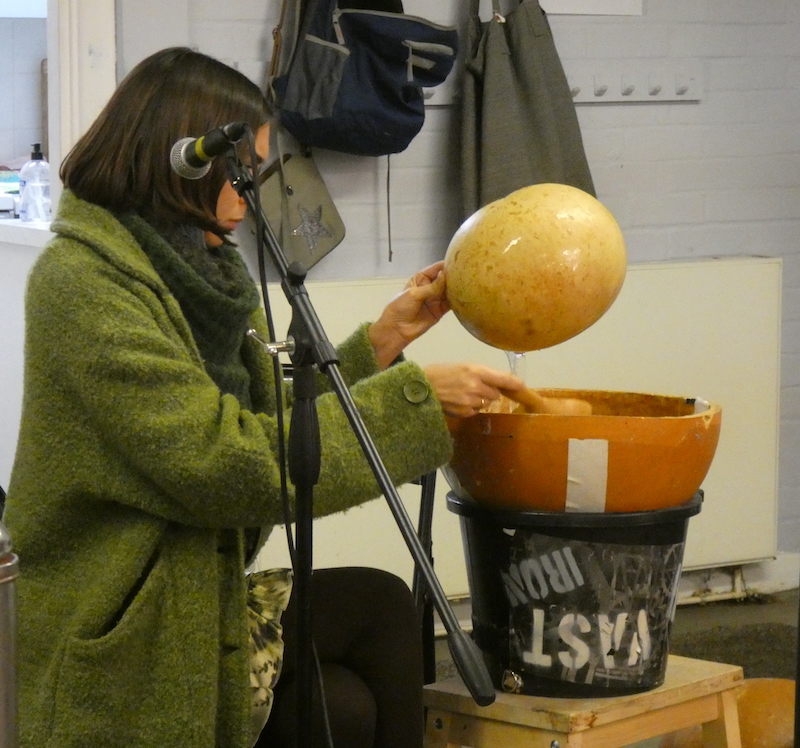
311 227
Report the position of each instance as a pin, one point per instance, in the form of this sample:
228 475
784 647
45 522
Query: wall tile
753 204
29 44
7 150
747 13
242 10
743 74
23 46
708 40
6 44
27 88
231 41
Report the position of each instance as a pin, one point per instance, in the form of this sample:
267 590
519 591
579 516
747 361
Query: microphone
191 158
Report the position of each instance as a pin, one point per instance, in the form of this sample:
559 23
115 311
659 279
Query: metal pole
9 570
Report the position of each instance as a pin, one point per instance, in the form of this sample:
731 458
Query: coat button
416 391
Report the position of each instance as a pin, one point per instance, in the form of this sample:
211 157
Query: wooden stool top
686 679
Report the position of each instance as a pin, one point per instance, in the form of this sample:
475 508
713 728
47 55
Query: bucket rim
466 507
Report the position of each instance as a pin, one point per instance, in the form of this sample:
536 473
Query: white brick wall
23 46
721 177
716 178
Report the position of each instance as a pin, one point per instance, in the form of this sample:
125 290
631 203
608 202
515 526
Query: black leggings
367 635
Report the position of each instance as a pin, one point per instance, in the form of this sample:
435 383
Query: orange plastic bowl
636 452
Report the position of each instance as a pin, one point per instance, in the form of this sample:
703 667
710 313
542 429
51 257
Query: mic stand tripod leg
419 590
304 469
304 462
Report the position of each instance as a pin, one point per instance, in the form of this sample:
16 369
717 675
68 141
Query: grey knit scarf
214 290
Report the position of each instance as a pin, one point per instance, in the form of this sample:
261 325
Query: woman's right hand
464 389
421 304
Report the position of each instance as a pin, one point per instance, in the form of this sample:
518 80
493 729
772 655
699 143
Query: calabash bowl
636 452
535 268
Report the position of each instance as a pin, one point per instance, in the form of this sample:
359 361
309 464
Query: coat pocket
123 687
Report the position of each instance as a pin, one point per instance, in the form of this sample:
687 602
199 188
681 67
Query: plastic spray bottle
34 188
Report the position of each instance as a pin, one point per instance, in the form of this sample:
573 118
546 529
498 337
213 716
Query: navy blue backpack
354 82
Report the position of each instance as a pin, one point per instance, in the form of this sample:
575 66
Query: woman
146 461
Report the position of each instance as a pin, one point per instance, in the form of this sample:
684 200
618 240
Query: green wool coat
133 481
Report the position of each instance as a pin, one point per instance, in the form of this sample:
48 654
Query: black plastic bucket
574 605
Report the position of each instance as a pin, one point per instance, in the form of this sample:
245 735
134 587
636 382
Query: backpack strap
297 15
475 10
275 67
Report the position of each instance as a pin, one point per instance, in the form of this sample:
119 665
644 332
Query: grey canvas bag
519 125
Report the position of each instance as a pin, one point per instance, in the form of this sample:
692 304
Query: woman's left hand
421 304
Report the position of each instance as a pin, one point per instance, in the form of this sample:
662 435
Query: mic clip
273 349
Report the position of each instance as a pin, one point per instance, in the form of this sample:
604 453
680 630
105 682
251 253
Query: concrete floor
778 608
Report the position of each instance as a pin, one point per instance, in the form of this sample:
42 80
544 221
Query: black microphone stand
313 348
303 456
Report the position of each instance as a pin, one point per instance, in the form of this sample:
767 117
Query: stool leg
437 730
723 732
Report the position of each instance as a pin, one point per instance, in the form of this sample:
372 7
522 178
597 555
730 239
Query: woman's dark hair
122 163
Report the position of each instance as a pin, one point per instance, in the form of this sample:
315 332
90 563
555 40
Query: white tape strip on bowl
587 475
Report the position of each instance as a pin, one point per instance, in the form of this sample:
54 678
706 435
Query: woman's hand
421 304
464 389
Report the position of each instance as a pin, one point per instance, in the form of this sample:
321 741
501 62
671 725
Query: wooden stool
695 692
